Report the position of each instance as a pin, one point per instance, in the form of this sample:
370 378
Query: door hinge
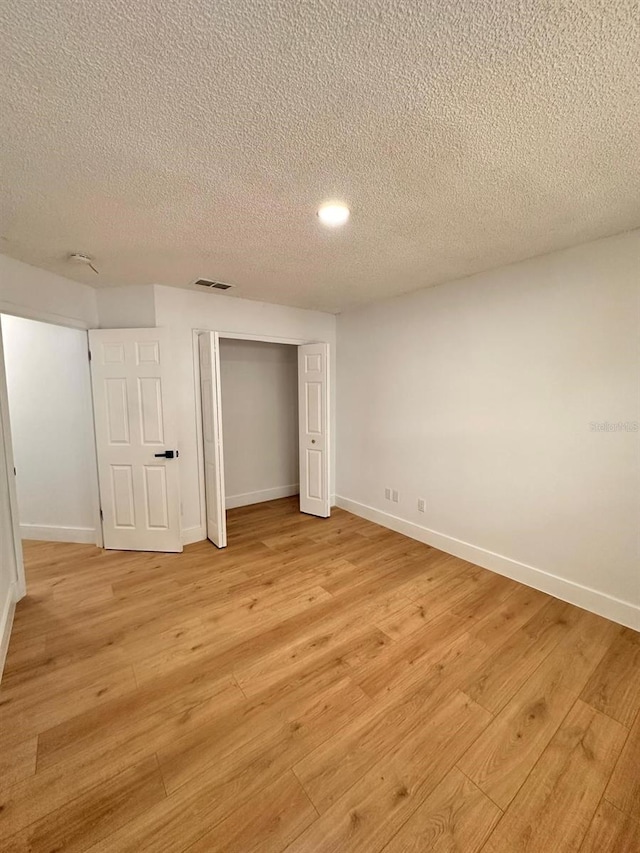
101 516
89 351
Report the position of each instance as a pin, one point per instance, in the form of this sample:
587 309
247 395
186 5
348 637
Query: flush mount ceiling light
333 214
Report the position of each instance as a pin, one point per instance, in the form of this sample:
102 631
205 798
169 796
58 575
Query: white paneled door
135 406
313 379
212 437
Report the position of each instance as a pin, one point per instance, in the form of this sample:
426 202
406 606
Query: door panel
11 567
117 408
211 399
155 484
123 504
134 413
313 394
313 407
151 411
314 467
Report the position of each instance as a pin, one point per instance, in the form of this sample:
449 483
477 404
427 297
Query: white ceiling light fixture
333 214
81 258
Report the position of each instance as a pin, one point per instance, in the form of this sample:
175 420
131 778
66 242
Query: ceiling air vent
214 285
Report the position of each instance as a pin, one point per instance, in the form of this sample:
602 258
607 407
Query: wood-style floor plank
554 807
456 816
147 718
95 814
331 769
623 789
514 662
24 713
502 758
614 687
612 831
266 824
17 762
312 710
236 776
321 684
370 813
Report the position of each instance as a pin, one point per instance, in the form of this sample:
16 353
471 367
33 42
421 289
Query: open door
135 404
313 394
212 438
12 583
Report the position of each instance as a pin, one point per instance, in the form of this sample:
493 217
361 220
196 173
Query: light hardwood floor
321 685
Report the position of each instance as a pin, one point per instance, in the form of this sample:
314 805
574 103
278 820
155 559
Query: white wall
50 409
478 396
127 307
182 311
31 292
260 420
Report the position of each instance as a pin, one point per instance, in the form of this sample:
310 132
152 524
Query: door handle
168 454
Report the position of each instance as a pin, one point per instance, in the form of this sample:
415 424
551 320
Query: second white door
135 406
211 398
313 419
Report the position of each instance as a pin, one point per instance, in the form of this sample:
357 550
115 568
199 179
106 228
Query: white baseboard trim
6 623
233 501
623 612
55 533
193 534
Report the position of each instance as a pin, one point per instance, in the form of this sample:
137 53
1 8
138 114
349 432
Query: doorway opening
259 393
265 425
50 413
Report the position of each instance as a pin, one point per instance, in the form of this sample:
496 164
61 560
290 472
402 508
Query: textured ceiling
173 140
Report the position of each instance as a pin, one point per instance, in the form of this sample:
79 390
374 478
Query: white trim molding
248 498
6 623
56 533
623 612
193 534
14 309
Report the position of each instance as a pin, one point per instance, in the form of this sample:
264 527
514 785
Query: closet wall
260 420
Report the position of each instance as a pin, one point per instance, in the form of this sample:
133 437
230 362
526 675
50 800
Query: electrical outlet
395 496
387 494
420 504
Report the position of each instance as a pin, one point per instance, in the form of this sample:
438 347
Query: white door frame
237 336
7 449
53 320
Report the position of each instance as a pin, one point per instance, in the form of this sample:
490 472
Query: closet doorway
265 424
